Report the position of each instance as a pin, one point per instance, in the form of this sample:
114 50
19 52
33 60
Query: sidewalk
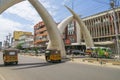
97 62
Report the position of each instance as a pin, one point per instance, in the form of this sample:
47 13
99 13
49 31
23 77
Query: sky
23 17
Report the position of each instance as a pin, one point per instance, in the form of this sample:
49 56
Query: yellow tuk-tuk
10 56
53 55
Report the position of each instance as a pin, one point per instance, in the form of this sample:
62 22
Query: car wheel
16 62
5 63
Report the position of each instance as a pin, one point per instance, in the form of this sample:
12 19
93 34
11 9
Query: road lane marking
1 77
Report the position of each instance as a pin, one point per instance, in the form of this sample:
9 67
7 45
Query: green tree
19 46
36 51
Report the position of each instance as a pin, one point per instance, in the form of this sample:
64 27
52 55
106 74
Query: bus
101 52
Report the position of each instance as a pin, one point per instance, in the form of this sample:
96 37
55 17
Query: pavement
83 60
99 62
32 67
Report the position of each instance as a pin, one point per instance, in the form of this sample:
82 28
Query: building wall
70 33
0 45
40 34
17 34
101 27
26 40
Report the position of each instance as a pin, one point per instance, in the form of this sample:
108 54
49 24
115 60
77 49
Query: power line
102 2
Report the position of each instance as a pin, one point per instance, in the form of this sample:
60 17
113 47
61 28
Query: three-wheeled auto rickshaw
10 56
53 55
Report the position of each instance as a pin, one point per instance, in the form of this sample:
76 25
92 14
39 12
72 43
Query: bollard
83 60
97 59
101 62
72 58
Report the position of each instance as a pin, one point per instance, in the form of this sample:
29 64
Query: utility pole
6 42
9 39
112 4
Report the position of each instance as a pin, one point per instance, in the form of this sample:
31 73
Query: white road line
1 77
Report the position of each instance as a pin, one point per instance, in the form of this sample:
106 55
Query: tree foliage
19 46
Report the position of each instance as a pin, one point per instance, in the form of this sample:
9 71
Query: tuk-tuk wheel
5 63
59 60
47 59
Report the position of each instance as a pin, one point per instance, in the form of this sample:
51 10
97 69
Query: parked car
43 51
68 52
78 52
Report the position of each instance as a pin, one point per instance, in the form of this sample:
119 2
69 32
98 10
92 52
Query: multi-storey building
40 35
102 29
70 33
17 34
100 26
26 40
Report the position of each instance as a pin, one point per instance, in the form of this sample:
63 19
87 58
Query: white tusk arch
78 33
85 31
63 25
5 4
53 32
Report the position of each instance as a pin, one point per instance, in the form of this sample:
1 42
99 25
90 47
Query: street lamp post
116 31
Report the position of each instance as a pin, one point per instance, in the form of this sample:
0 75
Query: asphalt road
30 68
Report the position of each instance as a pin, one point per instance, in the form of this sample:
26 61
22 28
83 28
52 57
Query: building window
71 28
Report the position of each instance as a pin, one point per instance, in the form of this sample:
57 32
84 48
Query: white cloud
7 26
52 8
25 10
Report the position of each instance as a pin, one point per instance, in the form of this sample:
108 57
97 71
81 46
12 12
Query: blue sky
23 16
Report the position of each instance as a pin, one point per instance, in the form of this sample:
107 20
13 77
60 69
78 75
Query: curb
108 64
84 61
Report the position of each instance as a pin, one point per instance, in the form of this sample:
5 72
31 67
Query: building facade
70 35
102 29
26 40
17 34
100 26
0 45
40 35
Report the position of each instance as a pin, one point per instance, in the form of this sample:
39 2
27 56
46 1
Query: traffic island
99 61
116 63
